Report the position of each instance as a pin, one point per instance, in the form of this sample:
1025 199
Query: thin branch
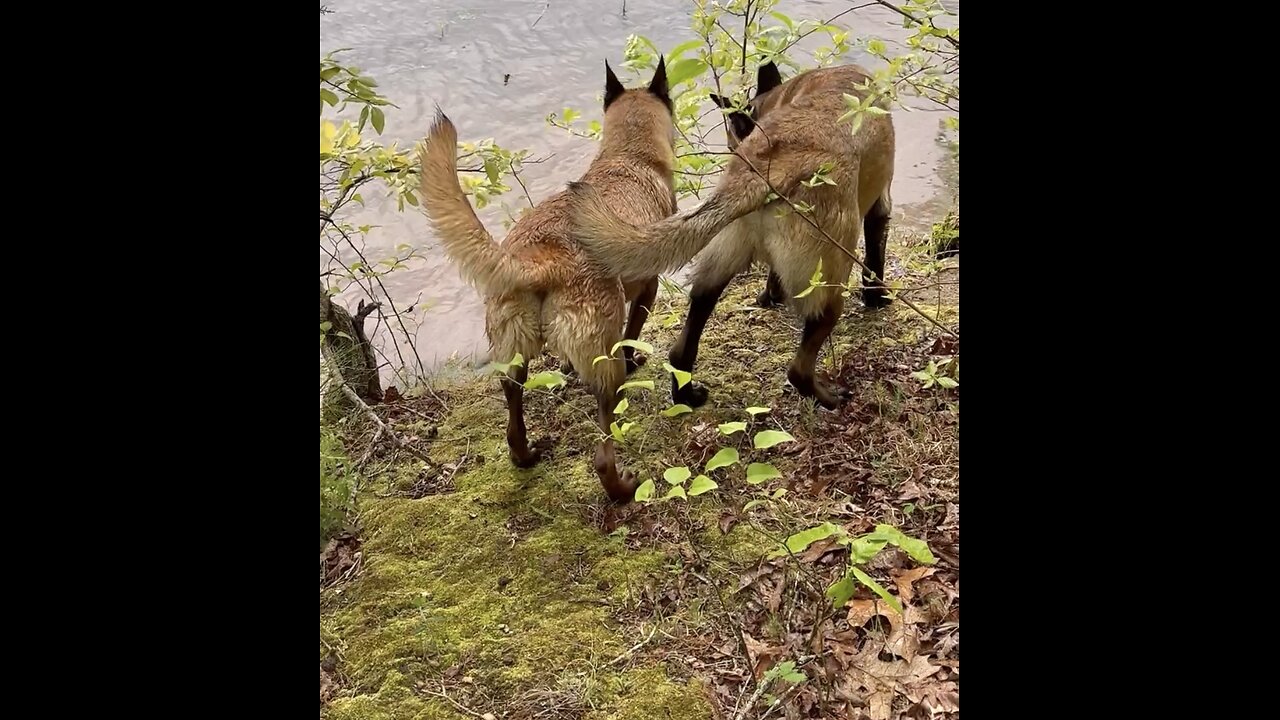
455 703
516 174
394 310
634 648
955 43
382 427
828 21
544 12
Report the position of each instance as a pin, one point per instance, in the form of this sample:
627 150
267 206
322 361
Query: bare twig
455 703
516 174
955 43
368 453
634 648
755 698
544 12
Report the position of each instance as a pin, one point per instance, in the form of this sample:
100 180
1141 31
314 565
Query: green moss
648 693
510 578
335 485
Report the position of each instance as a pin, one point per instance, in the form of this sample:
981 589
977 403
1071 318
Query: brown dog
539 289
788 131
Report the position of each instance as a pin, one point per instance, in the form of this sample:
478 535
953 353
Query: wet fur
540 290
791 128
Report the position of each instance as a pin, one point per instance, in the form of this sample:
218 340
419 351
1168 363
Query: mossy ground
524 593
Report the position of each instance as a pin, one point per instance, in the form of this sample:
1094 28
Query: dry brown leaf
936 697
903 639
727 521
327 687
775 596
904 581
818 549
762 655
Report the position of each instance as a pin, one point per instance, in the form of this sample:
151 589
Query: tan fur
540 290
796 131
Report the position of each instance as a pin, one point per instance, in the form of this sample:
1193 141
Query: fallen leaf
762 655
727 522
905 579
903 639
775 597
910 491
818 549
327 687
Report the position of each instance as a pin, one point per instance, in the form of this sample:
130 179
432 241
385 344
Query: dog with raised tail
540 290
787 133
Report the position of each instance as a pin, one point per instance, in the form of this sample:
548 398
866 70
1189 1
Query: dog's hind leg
772 295
641 304
876 229
517 436
728 254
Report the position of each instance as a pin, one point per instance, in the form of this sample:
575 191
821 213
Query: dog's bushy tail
635 253
482 261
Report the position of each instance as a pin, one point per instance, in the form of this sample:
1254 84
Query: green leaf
862 549
724 458
806 291
865 579
785 671
329 97
947 382
730 428
675 491
841 591
621 407
682 377
917 549
598 358
768 438
785 20
645 492
545 379
326 326
753 504
646 384
379 121
803 539
681 49
635 344
619 433
702 484
517 360
682 70
677 475
756 410
675 410
759 472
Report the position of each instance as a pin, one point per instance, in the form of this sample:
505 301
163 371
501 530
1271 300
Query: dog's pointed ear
767 78
612 87
658 86
741 124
